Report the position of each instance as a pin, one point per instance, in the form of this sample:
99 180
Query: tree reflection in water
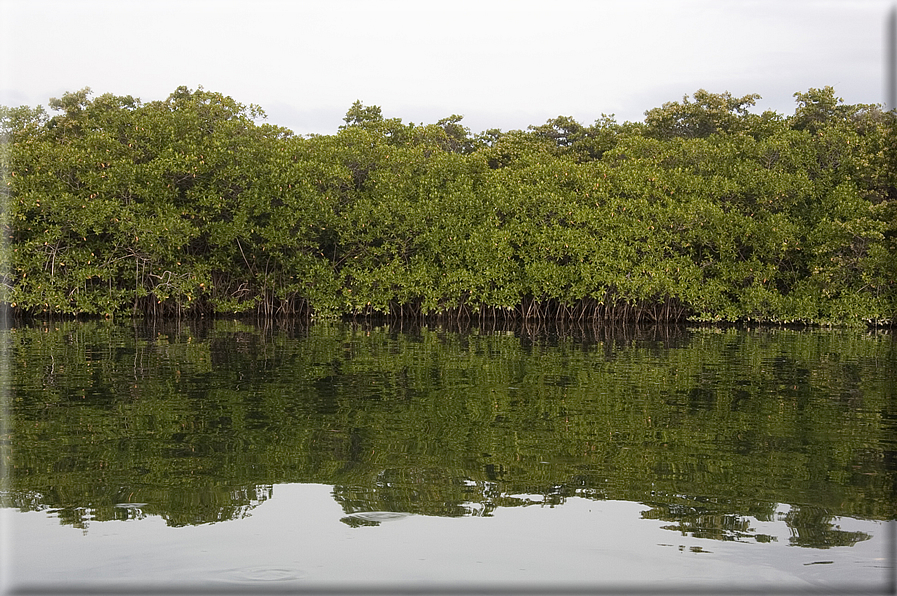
712 429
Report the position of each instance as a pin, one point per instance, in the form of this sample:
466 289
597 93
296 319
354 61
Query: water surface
225 455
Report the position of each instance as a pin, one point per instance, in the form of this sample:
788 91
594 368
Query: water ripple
261 574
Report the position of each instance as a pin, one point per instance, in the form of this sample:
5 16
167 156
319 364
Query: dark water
224 455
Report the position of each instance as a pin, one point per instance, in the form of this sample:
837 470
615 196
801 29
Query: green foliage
361 115
707 115
706 210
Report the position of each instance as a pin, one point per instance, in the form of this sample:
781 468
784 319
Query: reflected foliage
196 422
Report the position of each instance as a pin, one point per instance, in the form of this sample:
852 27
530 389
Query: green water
762 446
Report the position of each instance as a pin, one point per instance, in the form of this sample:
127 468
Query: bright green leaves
820 108
706 115
361 115
124 184
708 210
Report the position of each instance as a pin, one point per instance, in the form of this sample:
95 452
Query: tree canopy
195 205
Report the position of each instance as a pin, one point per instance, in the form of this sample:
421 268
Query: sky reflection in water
297 538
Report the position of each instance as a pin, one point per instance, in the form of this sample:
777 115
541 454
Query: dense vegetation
705 210
199 419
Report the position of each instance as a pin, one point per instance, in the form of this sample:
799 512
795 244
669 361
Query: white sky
500 64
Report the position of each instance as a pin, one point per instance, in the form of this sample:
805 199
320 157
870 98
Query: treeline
193 205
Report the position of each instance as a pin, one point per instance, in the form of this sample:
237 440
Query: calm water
225 456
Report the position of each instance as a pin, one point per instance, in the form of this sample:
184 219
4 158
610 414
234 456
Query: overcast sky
500 64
